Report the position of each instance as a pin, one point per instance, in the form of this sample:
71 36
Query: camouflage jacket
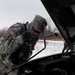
11 41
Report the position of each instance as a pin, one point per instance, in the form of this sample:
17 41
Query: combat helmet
39 23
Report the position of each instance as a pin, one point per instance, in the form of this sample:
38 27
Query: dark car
63 15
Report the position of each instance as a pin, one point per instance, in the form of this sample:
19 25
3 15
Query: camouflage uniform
13 45
10 42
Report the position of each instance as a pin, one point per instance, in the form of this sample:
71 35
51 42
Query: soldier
17 43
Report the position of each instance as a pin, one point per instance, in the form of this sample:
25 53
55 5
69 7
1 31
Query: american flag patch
12 33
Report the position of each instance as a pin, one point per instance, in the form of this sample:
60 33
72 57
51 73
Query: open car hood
63 14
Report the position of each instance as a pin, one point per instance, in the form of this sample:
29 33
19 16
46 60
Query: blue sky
12 11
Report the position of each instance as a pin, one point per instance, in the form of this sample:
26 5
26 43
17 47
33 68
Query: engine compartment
53 65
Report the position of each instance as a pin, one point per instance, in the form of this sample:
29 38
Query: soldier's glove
26 37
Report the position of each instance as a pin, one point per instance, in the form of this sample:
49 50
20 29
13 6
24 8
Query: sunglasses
35 32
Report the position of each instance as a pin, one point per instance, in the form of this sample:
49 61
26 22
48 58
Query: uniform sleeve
11 40
34 41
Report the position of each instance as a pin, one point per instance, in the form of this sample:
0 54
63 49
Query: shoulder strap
24 27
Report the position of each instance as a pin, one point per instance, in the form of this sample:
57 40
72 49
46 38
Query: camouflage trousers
4 68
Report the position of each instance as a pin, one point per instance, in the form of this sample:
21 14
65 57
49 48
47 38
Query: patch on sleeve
12 33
